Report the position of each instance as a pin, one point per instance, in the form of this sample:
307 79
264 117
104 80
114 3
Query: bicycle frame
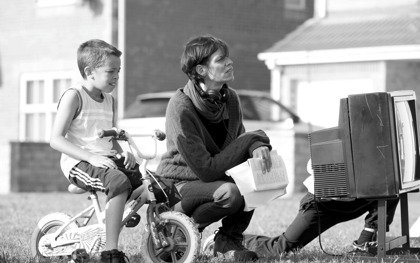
170 235
87 214
147 196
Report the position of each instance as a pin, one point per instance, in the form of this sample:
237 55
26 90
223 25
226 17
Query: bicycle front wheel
183 238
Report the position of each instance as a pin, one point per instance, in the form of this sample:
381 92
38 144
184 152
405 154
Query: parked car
260 111
256 106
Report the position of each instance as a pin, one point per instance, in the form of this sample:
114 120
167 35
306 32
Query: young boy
88 161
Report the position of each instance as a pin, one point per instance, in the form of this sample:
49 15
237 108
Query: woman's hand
102 161
263 153
129 160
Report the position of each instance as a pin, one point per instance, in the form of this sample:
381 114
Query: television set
374 150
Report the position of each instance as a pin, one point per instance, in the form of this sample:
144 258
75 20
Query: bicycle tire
183 236
46 225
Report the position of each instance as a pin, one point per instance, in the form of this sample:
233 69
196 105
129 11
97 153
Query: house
38 43
348 47
357 46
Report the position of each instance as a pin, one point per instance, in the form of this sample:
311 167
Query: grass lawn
20 212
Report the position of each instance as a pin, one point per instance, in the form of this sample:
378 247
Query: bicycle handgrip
107 133
160 135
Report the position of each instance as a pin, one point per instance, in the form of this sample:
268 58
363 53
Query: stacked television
374 150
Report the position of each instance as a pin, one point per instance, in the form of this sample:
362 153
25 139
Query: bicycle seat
75 190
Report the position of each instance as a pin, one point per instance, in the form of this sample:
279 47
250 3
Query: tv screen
373 152
406 141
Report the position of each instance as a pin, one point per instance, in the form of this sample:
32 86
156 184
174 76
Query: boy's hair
197 51
93 53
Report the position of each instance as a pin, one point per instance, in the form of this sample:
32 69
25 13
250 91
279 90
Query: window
295 4
40 94
262 109
147 108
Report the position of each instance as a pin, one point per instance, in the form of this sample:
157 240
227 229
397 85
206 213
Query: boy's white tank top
92 117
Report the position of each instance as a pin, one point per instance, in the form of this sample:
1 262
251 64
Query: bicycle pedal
133 221
80 255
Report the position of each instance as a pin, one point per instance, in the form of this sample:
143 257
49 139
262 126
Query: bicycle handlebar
107 133
160 135
121 135
117 133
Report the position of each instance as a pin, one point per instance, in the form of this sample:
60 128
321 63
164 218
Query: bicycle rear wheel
48 224
183 238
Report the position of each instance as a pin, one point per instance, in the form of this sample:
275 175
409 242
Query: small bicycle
170 236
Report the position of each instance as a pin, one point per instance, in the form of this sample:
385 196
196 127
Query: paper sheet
259 191
261 198
309 183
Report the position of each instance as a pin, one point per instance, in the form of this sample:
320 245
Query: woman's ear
202 70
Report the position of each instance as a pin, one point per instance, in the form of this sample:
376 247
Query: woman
206 137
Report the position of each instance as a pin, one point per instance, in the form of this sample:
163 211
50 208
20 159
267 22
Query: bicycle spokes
178 241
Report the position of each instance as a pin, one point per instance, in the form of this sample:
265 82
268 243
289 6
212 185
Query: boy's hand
263 153
102 162
129 160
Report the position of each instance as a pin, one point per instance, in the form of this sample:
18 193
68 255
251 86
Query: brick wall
158 30
36 168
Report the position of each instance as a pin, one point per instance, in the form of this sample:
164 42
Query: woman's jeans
314 215
208 202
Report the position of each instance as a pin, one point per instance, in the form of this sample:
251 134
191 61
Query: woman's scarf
214 112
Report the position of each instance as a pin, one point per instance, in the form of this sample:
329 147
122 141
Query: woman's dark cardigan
192 153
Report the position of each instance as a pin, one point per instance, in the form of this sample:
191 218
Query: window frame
47 106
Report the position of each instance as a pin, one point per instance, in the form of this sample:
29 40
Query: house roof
338 34
388 31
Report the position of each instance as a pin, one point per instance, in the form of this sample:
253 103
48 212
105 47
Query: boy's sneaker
113 256
80 256
231 247
364 247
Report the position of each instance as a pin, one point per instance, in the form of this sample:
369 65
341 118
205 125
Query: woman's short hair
197 51
93 53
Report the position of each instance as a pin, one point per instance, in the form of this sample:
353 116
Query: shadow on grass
7 258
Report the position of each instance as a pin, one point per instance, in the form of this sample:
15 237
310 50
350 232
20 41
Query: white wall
318 101
314 91
348 5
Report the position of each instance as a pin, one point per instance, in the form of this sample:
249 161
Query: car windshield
147 108
253 107
262 109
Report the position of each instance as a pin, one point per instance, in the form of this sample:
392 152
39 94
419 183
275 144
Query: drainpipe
122 47
321 8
